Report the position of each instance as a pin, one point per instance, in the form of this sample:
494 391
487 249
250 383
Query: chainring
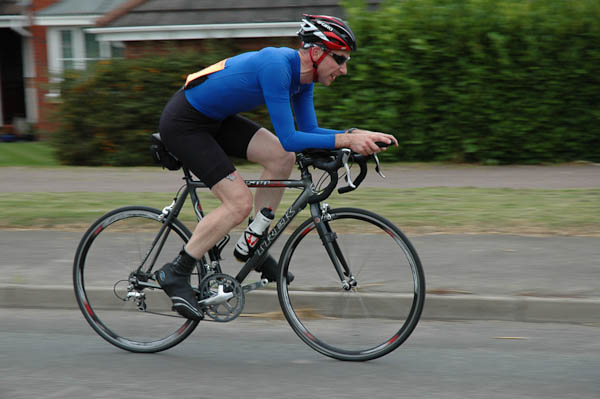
225 297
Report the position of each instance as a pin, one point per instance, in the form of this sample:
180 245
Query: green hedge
106 115
492 81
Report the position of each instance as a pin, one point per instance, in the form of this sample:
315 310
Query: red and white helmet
328 32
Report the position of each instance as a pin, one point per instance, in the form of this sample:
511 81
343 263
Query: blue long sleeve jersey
270 76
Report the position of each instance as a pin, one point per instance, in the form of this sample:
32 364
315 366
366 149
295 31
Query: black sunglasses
340 59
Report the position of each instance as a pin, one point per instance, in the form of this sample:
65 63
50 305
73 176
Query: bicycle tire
371 319
108 252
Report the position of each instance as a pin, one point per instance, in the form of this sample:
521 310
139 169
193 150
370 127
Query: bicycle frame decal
266 183
278 229
197 209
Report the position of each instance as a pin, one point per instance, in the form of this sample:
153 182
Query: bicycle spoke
365 321
111 252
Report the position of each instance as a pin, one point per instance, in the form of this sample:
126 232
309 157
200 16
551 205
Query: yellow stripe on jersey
219 66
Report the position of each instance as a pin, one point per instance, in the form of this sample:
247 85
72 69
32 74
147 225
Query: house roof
199 19
80 7
11 7
12 16
195 12
75 12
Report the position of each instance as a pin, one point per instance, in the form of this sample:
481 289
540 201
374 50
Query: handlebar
331 161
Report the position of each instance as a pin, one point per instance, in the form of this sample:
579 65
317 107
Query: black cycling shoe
270 270
176 285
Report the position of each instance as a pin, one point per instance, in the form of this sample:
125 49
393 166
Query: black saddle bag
161 155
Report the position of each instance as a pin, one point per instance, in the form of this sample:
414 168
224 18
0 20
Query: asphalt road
55 354
50 353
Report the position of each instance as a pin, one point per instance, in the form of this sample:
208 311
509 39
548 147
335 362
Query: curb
437 307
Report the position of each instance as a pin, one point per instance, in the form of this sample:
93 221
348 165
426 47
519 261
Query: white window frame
56 60
55 56
29 74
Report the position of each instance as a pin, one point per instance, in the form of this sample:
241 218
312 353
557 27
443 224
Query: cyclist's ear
316 52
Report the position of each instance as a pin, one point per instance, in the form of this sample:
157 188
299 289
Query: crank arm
254 286
147 284
221 297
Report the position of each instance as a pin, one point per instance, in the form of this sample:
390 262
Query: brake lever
378 166
345 156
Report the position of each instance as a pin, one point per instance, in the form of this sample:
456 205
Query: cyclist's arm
275 81
304 109
361 141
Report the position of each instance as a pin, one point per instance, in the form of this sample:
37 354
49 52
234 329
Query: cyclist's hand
364 142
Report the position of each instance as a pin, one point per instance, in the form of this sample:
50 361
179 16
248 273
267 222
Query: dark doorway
11 76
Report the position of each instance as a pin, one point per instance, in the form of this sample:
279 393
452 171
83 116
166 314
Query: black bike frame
308 196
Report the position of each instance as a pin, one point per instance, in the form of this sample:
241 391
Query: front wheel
381 301
114 286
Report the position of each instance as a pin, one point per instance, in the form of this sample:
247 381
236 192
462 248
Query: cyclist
200 125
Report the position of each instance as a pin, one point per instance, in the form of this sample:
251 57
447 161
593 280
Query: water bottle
251 236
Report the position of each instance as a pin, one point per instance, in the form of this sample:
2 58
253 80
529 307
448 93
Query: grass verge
27 154
416 211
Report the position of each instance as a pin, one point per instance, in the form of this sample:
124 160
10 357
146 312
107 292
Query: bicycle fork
321 217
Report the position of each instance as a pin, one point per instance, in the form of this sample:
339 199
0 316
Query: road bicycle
359 286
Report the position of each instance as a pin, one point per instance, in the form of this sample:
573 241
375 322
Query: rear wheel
380 306
125 306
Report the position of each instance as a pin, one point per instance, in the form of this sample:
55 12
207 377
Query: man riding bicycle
200 125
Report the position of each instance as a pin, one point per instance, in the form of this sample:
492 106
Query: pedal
254 286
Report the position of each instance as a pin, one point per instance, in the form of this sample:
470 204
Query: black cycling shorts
203 144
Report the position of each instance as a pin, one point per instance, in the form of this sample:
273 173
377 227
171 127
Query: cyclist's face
329 69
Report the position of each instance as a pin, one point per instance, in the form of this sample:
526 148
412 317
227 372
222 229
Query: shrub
107 114
491 81
475 80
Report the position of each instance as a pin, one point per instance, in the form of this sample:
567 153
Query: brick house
53 35
38 38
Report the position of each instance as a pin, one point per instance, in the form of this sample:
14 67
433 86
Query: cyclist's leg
265 149
236 204
244 138
199 142
190 136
